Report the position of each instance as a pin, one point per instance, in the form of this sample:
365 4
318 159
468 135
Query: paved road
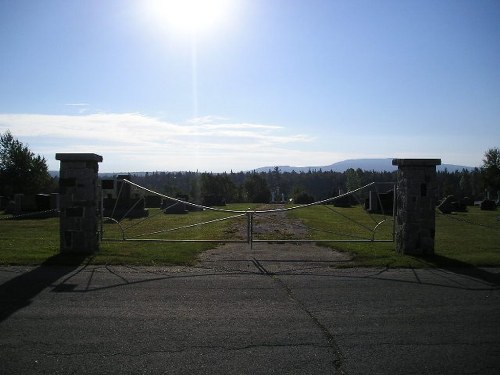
258 312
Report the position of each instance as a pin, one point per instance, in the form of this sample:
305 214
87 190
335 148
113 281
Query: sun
191 16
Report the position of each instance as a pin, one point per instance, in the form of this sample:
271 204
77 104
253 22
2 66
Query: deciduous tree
21 171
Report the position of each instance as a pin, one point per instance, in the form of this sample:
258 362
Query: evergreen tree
491 169
257 189
353 179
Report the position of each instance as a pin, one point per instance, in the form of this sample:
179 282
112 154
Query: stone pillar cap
79 157
416 162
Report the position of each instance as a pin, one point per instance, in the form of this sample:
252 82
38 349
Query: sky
242 84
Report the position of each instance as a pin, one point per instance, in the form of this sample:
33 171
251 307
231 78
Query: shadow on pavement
18 293
463 268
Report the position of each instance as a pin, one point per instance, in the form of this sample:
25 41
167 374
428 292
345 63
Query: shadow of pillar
462 268
19 292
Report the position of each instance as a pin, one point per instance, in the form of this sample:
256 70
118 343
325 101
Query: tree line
21 171
301 187
259 187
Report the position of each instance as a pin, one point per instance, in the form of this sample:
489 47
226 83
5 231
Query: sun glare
191 16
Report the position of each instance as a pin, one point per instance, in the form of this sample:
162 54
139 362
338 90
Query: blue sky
268 82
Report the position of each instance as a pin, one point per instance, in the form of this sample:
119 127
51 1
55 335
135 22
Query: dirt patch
274 224
273 256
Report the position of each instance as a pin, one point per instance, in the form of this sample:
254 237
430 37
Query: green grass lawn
28 241
468 238
33 242
471 238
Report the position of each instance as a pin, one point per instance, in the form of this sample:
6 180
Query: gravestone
54 201
380 203
43 202
3 203
79 203
416 202
451 204
488 205
119 200
170 206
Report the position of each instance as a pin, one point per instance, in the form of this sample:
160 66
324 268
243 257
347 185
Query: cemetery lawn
462 239
465 239
35 242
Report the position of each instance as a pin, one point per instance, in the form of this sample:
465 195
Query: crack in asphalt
339 359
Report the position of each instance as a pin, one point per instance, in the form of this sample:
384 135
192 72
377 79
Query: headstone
11 208
446 205
416 203
29 203
380 203
18 204
152 201
42 202
119 202
3 203
344 202
54 201
468 201
170 206
488 205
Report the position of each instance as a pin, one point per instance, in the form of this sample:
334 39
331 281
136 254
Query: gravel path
273 256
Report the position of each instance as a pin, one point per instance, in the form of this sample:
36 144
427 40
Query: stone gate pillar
79 203
416 201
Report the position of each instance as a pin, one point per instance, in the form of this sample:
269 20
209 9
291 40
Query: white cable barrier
54 212
354 229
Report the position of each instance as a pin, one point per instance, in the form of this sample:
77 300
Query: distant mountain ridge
377 165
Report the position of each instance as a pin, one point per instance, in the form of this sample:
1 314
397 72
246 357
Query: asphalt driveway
257 311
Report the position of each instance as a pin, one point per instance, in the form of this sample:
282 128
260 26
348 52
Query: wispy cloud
132 141
81 107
